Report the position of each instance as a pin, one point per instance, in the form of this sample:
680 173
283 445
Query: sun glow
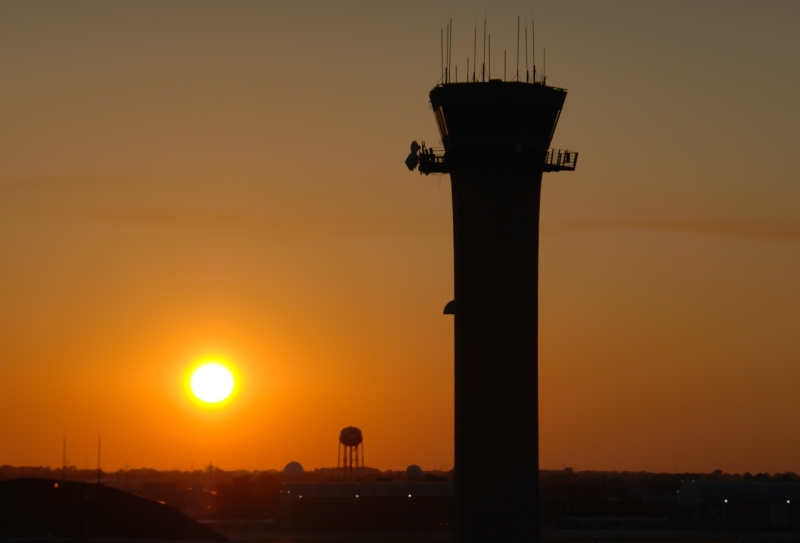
212 382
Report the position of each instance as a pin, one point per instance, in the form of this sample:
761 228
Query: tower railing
560 160
434 160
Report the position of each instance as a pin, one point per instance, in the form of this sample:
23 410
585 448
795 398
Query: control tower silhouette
496 137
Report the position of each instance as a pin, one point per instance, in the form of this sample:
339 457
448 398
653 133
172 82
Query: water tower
496 136
350 459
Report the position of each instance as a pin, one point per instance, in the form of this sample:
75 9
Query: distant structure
496 136
413 472
350 458
376 506
293 471
739 505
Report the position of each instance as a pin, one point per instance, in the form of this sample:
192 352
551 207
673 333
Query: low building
367 506
739 505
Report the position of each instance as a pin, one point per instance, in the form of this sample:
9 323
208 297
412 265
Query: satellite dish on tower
413 158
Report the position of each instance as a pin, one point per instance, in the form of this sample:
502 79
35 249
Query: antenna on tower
441 36
450 46
475 51
533 43
517 47
447 55
483 67
527 72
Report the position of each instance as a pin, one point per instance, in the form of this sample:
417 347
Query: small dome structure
293 471
413 472
350 436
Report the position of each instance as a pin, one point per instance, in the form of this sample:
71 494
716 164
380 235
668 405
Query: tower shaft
496 244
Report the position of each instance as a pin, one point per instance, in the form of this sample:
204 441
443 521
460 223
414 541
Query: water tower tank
350 437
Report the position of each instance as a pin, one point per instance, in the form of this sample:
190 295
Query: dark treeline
209 477
214 493
209 493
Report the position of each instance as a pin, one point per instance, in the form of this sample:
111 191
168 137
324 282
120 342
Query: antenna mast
527 72
483 67
533 43
517 47
450 48
475 51
447 55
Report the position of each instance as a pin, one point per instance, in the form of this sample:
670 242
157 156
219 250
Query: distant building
739 505
367 506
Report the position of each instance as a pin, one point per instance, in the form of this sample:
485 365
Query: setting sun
212 382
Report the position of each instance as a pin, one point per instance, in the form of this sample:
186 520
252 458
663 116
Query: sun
212 382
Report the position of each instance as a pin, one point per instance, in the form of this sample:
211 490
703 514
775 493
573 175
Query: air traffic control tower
496 137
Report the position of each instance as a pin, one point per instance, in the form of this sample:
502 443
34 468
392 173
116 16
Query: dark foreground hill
63 509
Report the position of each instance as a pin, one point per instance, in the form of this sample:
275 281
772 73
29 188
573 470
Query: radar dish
413 159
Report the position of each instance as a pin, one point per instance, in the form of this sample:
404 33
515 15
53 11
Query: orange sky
182 180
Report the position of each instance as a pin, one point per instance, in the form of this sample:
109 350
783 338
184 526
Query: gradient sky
189 179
